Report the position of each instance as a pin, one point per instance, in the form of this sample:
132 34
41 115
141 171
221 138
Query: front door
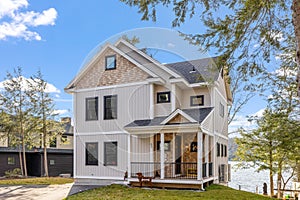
178 154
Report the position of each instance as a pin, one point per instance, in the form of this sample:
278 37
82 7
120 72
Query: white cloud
17 22
171 45
241 121
60 112
50 88
8 7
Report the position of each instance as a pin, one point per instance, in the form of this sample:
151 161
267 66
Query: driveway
35 192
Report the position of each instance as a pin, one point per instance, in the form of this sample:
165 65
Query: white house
133 114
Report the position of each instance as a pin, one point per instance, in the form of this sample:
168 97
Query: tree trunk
24 157
296 23
45 156
271 171
271 183
21 162
279 178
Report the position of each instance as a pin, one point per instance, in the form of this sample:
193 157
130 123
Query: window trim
221 110
104 107
96 163
160 93
218 149
167 145
11 160
96 108
115 62
105 156
197 96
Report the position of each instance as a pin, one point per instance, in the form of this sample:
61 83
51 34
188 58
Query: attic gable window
110 62
163 97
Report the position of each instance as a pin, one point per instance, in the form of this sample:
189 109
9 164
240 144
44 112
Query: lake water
249 179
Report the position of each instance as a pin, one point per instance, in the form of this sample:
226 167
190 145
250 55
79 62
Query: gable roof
89 64
198 115
175 113
146 56
196 71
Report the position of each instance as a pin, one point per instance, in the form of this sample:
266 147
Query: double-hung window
91 153
110 153
110 107
91 106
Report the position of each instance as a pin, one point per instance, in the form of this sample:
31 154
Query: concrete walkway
35 192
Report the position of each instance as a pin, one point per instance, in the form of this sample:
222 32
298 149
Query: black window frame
218 150
111 163
221 109
197 96
225 150
11 160
88 117
112 110
115 62
167 145
95 158
162 93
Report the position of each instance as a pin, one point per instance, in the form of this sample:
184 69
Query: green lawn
123 192
36 181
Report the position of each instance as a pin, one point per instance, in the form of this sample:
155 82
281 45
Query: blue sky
59 35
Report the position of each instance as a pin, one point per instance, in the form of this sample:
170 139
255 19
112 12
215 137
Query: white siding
133 104
186 94
101 170
161 109
208 123
140 148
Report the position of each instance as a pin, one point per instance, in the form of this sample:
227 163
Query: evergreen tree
43 108
15 106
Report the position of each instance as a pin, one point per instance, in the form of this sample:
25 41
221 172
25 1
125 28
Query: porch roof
198 114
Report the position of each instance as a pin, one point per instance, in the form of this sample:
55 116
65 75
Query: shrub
13 173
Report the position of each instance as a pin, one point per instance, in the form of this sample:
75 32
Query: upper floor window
221 110
91 105
197 100
110 153
110 62
91 153
110 107
163 97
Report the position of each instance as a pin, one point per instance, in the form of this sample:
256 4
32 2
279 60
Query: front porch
176 160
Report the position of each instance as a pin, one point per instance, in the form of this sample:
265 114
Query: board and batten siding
100 170
133 103
221 122
186 95
140 148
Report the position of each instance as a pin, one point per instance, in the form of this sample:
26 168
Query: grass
122 192
36 181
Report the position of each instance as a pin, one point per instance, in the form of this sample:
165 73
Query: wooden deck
172 183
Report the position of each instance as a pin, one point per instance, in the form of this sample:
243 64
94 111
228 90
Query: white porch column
129 155
199 155
206 152
173 97
151 106
162 156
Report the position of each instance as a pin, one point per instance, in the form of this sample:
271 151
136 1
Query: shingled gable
91 74
177 113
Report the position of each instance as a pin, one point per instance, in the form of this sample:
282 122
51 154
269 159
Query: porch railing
173 170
